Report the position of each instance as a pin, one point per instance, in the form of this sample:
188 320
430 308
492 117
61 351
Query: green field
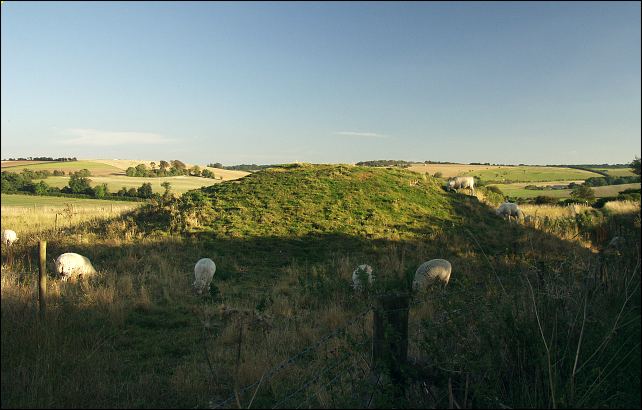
616 172
180 184
55 201
94 167
532 174
517 191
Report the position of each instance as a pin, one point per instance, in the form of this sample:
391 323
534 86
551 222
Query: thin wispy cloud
361 134
88 136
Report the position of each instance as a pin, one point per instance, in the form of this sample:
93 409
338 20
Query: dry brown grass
27 220
554 211
622 207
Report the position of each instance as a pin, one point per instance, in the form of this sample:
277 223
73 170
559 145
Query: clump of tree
246 167
635 166
61 159
385 163
167 169
583 192
545 200
79 183
611 180
38 174
13 182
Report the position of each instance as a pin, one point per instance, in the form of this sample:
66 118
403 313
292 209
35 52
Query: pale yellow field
450 170
123 164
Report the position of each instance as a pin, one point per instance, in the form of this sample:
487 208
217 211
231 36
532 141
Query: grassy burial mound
285 242
300 230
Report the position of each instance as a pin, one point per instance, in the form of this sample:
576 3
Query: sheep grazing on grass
203 274
9 237
72 265
359 276
510 210
461 182
428 272
615 246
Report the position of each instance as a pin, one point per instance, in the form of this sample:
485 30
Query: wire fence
272 372
345 368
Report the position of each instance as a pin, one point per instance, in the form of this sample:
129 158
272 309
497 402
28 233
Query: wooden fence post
9 256
42 279
390 334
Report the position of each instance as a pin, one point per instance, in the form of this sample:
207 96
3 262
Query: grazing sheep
359 274
9 237
203 274
461 182
509 209
430 271
615 246
73 264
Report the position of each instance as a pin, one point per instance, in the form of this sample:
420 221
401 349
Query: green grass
616 172
532 174
54 201
67 166
613 190
180 184
285 242
362 201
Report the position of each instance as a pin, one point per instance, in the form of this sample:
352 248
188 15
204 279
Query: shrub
583 192
545 200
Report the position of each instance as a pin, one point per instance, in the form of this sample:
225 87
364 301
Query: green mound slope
322 199
313 213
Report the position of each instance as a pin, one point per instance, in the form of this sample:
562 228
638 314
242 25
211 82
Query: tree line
61 159
79 185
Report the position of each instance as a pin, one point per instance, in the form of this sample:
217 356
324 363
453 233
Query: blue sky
253 82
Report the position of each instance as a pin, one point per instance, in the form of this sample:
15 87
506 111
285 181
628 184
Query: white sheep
72 264
509 209
360 274
203 274
9 237
461 182
615 246
428 272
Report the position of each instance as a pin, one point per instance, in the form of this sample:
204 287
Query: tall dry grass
554 211
622 207
27 220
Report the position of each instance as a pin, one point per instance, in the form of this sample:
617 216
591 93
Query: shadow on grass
142 352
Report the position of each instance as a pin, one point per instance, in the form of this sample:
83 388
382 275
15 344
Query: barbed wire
336 377
310 381
292 359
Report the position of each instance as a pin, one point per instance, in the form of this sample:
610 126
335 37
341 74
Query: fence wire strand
290 360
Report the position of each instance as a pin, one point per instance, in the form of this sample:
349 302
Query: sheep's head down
450 185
